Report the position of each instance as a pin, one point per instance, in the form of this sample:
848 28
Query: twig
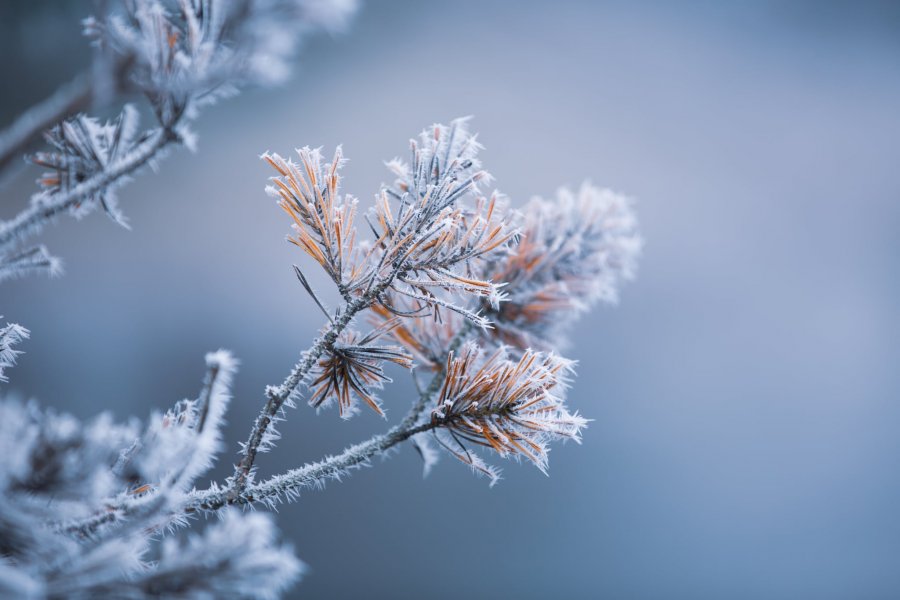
286 484
310 475
44 209
277 396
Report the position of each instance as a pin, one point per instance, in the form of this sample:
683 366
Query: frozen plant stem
83 504
288 484
45 209
277 396
310 475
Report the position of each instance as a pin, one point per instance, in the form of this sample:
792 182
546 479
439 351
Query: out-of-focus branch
288 484
46 208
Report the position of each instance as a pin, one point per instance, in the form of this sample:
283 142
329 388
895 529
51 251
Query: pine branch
45 208
314 474
285 485
277 396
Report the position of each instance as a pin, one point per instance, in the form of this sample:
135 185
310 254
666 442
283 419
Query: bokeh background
745 393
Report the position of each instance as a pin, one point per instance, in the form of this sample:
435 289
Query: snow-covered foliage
89 510
180 56
457 286
84 148
448 263
10 336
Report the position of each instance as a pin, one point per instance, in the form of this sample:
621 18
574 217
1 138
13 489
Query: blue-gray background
745 393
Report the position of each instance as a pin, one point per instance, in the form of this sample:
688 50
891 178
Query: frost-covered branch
46 207
432 235
262 433
180 55
287 486
88 510
453 280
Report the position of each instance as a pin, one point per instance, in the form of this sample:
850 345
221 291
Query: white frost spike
28 262
10 335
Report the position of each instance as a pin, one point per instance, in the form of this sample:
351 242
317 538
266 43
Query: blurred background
746 391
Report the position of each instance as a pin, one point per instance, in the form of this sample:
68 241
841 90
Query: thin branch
289 483
286 484
314 474
277 396
46 208
310 475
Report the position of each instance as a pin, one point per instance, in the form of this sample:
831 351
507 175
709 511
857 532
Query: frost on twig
84 148
10 336
35 260
425 249
180 55
85 507
456 285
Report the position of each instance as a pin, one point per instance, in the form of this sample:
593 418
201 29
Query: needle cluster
512 407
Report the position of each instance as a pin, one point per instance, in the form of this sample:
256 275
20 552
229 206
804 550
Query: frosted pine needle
322 219
514 408
83 148
353 368
420 333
